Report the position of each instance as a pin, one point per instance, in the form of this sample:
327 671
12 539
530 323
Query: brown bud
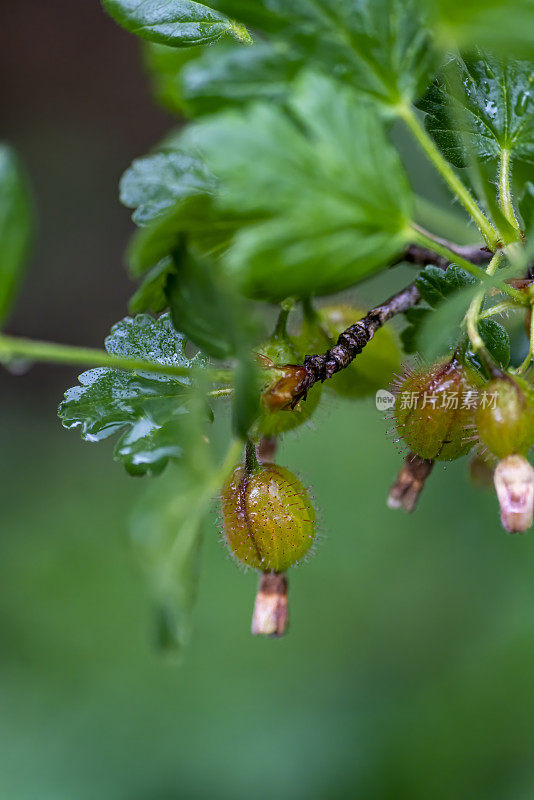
410 483
514 484
270 616
281 393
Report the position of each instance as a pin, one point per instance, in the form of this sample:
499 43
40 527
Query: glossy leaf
435 285
16 226
157 182
179 23
485 105
496 339
150 410
331 193
448 294
382 47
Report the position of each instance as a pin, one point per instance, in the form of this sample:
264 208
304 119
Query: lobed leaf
485 105
331 197
382 47
150 410
430 328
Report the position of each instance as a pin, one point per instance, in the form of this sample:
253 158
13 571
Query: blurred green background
407 672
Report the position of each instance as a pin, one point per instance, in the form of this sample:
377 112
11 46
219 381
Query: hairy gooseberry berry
505 416
434 410
268 518
279 359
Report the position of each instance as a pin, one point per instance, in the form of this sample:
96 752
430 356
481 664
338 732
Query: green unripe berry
432 412
371 370
505 416
268 518
280 359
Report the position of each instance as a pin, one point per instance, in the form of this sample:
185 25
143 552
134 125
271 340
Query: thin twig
352 341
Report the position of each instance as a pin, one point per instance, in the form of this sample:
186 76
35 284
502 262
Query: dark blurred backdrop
75 102
408 669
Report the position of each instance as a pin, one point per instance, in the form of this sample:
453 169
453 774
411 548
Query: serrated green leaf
179 23
157 182
16 226
496 339
151 410
441 329
435 284
381 46
485 105
434 329
334 198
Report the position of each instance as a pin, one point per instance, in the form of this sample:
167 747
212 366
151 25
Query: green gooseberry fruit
280 359
268 517
371 370
505 416
435 408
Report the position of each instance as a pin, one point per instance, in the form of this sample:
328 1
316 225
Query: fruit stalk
410 482
270 617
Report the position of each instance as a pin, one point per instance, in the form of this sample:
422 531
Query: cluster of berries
268 518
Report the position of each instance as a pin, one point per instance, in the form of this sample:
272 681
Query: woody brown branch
352 341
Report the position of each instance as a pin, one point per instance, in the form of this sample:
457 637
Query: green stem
251 459
52 353
280 330
426 239
505 198
498 308
473 313
529 358
487 230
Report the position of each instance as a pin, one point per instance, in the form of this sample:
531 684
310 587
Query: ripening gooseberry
280 359
505 422
268 518
434 410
